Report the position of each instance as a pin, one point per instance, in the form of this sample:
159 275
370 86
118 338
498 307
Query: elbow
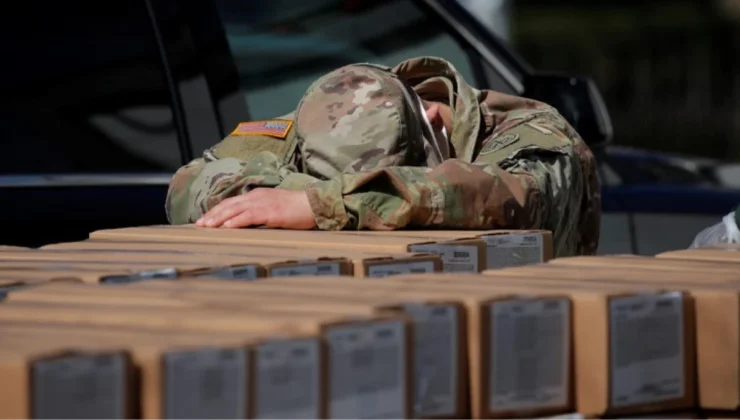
515 202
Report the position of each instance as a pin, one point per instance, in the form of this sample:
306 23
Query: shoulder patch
498 143
273 128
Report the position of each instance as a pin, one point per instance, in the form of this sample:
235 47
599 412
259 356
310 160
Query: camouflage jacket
516 164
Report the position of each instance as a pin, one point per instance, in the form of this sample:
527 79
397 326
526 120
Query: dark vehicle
101 103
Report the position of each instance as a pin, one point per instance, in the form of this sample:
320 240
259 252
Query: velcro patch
272 128
498 143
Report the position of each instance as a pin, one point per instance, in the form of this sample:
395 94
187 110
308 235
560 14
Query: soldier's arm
204 182
220 173
527 176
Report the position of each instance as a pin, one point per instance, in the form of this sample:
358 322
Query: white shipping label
367 365
530 345
389 269
513 250
436 340
455 258
78 387
646 346
206 383
242 272
316 269
288 380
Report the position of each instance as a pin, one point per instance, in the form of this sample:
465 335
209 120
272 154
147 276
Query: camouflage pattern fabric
515 163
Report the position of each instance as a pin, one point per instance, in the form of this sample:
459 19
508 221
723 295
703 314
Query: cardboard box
458 255
544 312
366 264
285 374
603 386
625 275
605 263
376 349
36 273
504 248
703 254
717 301
173 264
440 343
13 248
184 375
44 380
294 293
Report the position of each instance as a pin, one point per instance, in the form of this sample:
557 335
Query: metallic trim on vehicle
497 64
86 180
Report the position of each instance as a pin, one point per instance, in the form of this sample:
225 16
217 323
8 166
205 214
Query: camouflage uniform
358 146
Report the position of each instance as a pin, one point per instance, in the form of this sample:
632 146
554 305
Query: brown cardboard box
703 254
161 355
44 380
602 387
717 303
38 273
725 246
177 372
177 263
439 324
463 254
386 374
606 263
8 283
294 293
504 248
623 275
366 264
4 248
545 311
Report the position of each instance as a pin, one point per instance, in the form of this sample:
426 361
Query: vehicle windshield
281 46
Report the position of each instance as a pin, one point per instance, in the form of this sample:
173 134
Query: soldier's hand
270 207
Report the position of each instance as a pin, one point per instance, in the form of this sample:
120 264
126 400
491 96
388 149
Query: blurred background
669 71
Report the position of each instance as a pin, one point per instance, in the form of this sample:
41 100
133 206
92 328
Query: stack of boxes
183 322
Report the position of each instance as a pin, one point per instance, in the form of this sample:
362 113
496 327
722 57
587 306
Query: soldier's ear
434 115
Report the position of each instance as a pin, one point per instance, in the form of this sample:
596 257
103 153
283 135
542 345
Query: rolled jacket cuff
327 204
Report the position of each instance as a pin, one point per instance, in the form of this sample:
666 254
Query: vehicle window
496 81
83 91
281 46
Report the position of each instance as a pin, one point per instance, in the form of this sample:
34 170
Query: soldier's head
361 117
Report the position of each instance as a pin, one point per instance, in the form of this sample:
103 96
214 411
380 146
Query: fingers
249 217
250 209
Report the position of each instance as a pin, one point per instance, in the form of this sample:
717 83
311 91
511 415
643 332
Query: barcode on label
368 370
80 387
242 272
647 352
206 383
513 250
384 270
530 354
288 380
167 273
322 269
436 339
455 258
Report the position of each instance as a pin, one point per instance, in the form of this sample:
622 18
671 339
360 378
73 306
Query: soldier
414 146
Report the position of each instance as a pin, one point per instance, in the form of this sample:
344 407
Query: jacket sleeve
526 176
204 182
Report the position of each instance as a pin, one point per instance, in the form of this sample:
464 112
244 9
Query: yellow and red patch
272 128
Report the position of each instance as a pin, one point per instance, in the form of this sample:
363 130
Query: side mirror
578 99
